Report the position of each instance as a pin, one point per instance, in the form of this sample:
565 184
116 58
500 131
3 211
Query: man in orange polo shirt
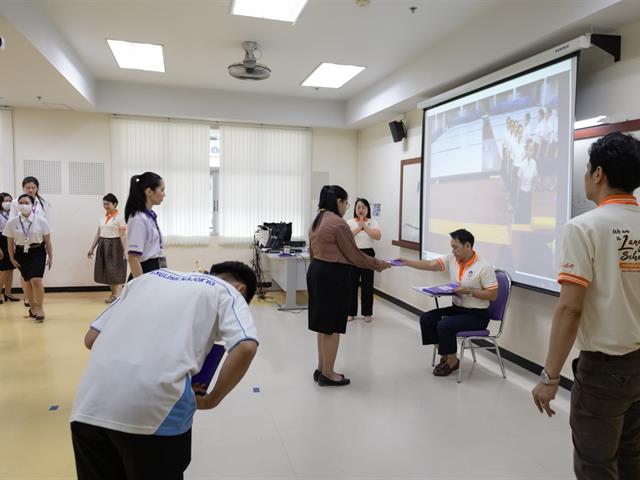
600 306
477 286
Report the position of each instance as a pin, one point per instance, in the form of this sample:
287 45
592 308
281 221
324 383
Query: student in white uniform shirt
111 259
145 247
31 186
29 244
599 306
366 231
527 175
134 407
6 267
477 286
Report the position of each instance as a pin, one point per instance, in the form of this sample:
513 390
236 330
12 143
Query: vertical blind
264 177
179 153
7 180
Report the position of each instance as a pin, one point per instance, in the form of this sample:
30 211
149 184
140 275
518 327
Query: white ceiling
57 49
201 38
25 75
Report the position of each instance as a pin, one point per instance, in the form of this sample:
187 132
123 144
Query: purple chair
497 309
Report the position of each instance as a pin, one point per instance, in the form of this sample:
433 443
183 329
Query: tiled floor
395 421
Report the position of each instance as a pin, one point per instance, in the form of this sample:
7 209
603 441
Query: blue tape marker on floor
53 408
256 390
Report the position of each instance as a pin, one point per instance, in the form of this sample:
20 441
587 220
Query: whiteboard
579 202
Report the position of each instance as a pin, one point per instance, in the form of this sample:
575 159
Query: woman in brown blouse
333 251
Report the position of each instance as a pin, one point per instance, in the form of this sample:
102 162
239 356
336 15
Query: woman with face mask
111 260
29 244
6 267
31 186
145 247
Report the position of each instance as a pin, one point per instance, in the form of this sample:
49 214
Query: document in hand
439 290
208 370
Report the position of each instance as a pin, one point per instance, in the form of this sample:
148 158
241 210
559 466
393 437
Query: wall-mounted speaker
398 130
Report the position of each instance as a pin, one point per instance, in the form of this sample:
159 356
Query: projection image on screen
497 162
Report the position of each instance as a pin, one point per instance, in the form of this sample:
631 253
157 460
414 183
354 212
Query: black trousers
605 416
103 454
364 279
439 326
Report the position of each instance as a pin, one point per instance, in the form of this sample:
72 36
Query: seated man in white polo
477 286
132 415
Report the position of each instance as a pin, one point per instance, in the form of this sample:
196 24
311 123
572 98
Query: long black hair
365 202
4 195
35 181
329 196
137 201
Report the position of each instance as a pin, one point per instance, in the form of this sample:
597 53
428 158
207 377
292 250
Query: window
214 172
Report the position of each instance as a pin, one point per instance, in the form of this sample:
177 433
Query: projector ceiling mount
249 68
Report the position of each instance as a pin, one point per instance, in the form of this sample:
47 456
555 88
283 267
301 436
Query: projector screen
498 161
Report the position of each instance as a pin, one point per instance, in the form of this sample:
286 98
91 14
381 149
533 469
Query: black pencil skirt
33 262
328 287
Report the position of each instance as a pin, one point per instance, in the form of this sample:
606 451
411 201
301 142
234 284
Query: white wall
72 136
65 136
607 88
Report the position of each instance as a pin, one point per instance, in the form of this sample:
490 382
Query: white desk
290 273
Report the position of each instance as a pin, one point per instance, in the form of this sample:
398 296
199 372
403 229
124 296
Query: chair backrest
498 306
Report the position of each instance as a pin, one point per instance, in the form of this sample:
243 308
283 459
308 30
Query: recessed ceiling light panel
137 56
282 10
331 75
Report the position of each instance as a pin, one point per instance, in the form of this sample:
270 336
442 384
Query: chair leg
504 375
433 360
473 350
462 347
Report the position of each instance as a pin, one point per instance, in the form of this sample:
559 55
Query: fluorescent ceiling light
331 75
590 122
137 56
283 10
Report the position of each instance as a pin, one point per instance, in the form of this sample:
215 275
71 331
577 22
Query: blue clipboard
209 367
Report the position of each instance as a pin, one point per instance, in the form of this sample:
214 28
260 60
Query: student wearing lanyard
111 260
144 239
29 243
477 286
31 186
365 231
135 404
6 267
599 305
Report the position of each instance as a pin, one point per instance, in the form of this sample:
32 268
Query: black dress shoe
316 374
27 304
327 382
9 298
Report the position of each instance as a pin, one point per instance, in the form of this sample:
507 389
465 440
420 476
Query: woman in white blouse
29 244
111 260
145 246
31 186
366 231
6 267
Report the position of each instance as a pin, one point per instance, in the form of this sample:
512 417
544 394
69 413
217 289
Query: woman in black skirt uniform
29 244
333 251
145 247
6 267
